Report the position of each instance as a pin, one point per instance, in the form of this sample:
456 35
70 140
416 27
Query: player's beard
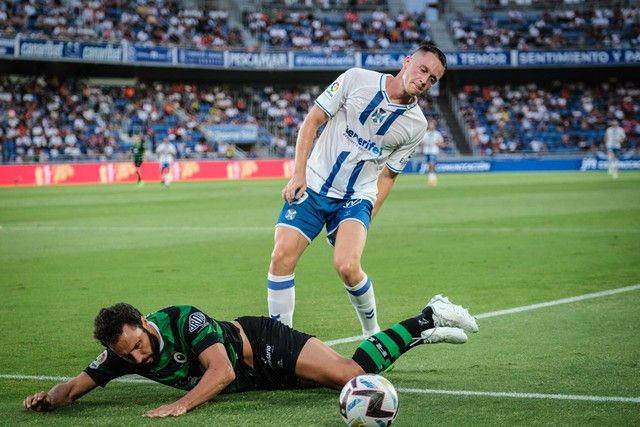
155 347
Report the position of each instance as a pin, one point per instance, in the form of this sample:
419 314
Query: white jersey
430 142
614 137
365 132
166 152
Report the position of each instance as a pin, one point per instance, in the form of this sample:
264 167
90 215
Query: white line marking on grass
127 229
138 380
582 230
522 395
519 309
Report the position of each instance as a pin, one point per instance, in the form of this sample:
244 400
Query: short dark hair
431 47
110 321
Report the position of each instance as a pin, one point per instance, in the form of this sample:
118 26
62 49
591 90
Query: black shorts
138 163
276 348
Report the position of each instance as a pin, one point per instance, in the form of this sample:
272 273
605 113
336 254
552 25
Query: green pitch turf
490 242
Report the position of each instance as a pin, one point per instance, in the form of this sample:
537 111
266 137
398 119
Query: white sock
281 297
364 301
432 179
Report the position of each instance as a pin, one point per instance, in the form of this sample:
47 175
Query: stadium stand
144 22
562 117
548 29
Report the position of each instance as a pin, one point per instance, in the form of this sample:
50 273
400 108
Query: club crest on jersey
197 321
291 214
99 360
379 115
179 357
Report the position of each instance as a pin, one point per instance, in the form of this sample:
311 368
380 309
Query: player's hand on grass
172 410
295 188
39 402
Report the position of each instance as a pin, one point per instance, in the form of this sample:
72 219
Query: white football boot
445 313
444 334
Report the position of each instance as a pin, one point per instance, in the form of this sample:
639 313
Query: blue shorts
165 165
616 151
312 211
430 158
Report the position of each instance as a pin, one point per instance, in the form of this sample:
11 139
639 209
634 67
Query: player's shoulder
362 75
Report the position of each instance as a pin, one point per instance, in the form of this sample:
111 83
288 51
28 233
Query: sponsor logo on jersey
290 214
364 144
352 203
197 321
99 360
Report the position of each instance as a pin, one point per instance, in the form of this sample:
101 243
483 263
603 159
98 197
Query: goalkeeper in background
138 150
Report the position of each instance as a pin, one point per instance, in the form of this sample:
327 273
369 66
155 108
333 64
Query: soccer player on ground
431 143
166 152
373 125
138 150
182 347
614 136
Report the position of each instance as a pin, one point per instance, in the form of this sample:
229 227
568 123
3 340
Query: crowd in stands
564 117
144 22
351 30
52 119
551 29
326 4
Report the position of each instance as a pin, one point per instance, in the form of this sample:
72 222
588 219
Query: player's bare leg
350 241
289 244
320 364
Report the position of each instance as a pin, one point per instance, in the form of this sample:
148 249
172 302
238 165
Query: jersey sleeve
399 158
335 95
107 367
201 332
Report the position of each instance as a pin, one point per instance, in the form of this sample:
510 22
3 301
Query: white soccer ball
368 400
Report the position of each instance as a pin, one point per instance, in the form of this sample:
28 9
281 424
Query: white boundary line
519 309
517 395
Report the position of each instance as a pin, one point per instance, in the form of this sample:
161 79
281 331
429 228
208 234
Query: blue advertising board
153 54
98 52
319 60
261 60
7 47
578 57
207 58
232 134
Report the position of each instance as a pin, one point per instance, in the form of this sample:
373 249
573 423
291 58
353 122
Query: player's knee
349 270
282 260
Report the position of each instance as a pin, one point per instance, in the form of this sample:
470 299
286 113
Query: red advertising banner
110 173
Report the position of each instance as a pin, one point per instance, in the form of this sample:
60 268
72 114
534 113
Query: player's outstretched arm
386 179
60 395
297 185
217 376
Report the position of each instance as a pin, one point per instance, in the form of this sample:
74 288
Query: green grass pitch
489 241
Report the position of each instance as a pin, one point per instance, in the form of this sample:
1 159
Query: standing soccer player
373 125
138 150
166 152
614 136
431 143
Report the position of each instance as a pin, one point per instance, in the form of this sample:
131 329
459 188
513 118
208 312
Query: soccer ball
368 400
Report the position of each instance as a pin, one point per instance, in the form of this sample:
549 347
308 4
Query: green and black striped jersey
185 332
138 152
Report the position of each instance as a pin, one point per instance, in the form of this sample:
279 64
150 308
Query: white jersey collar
383 86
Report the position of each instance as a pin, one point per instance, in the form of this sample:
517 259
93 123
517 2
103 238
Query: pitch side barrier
191 170
153 56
